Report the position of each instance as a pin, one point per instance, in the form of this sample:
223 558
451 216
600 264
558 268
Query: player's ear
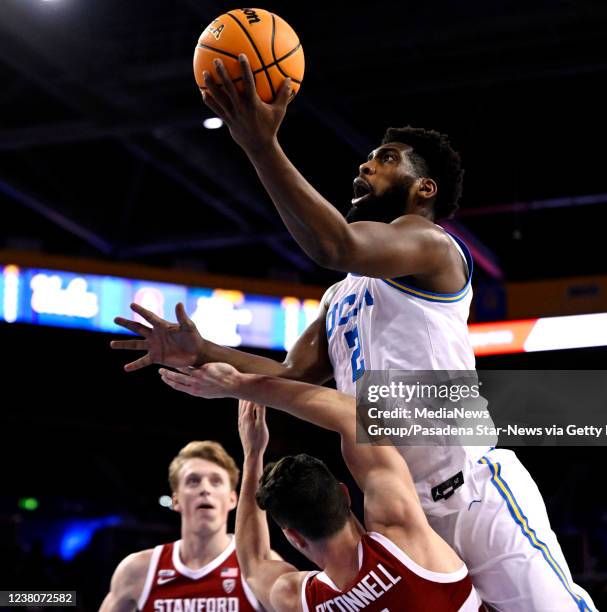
175 503
233 500
346 493
427 188
295 538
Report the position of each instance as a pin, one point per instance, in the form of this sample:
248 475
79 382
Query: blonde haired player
403 305
200 571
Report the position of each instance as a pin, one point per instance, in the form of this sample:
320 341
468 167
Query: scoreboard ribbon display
233 318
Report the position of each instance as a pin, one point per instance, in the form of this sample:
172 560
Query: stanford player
400 563
200 571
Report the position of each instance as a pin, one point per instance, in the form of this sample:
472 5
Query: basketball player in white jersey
200 571
402 306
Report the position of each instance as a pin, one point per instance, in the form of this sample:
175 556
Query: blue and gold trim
521 520
397 283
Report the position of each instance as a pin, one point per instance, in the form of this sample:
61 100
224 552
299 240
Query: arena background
103 156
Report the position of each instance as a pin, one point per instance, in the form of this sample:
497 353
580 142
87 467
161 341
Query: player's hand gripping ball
272 46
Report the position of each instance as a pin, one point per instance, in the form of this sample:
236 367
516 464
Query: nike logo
161 581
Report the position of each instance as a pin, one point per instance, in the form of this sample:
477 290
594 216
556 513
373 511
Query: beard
383 208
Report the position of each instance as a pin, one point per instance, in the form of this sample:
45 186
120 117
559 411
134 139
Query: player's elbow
292 370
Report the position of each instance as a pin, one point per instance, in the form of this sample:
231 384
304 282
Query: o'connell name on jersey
370 588
390 581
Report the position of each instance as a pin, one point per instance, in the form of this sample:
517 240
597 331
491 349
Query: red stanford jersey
170 586
390 581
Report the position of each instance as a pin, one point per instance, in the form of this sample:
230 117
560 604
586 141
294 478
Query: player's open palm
175 345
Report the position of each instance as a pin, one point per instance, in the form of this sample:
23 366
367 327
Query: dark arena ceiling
103 153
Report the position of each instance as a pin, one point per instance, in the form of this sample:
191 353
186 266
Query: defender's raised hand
253 123
172 344
252 428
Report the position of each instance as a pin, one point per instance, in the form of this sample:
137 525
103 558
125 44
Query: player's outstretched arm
127 583
414 247
275 583
180 345
391 503
318 405
321 406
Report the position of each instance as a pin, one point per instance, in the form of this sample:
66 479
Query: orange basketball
270 43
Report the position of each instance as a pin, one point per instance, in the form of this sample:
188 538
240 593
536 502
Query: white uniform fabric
388 324
385 324
505 538
399 327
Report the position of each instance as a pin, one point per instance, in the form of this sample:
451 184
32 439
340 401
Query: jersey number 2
358 367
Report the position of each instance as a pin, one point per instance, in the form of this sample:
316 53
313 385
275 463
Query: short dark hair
301 493
433 157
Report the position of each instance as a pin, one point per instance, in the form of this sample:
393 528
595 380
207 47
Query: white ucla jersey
387 324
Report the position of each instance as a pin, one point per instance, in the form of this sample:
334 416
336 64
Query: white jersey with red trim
387 324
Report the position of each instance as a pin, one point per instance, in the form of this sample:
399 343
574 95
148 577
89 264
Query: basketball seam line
220 51
255 72
256 51
277 62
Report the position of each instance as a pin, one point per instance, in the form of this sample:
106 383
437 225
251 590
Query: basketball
270 43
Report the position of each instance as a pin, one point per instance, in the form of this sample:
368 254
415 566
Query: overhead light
212 123
165 501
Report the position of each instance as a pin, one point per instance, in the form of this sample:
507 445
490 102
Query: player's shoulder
422 545
414 222
127 582
131 572
330 293
427 235
286 592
